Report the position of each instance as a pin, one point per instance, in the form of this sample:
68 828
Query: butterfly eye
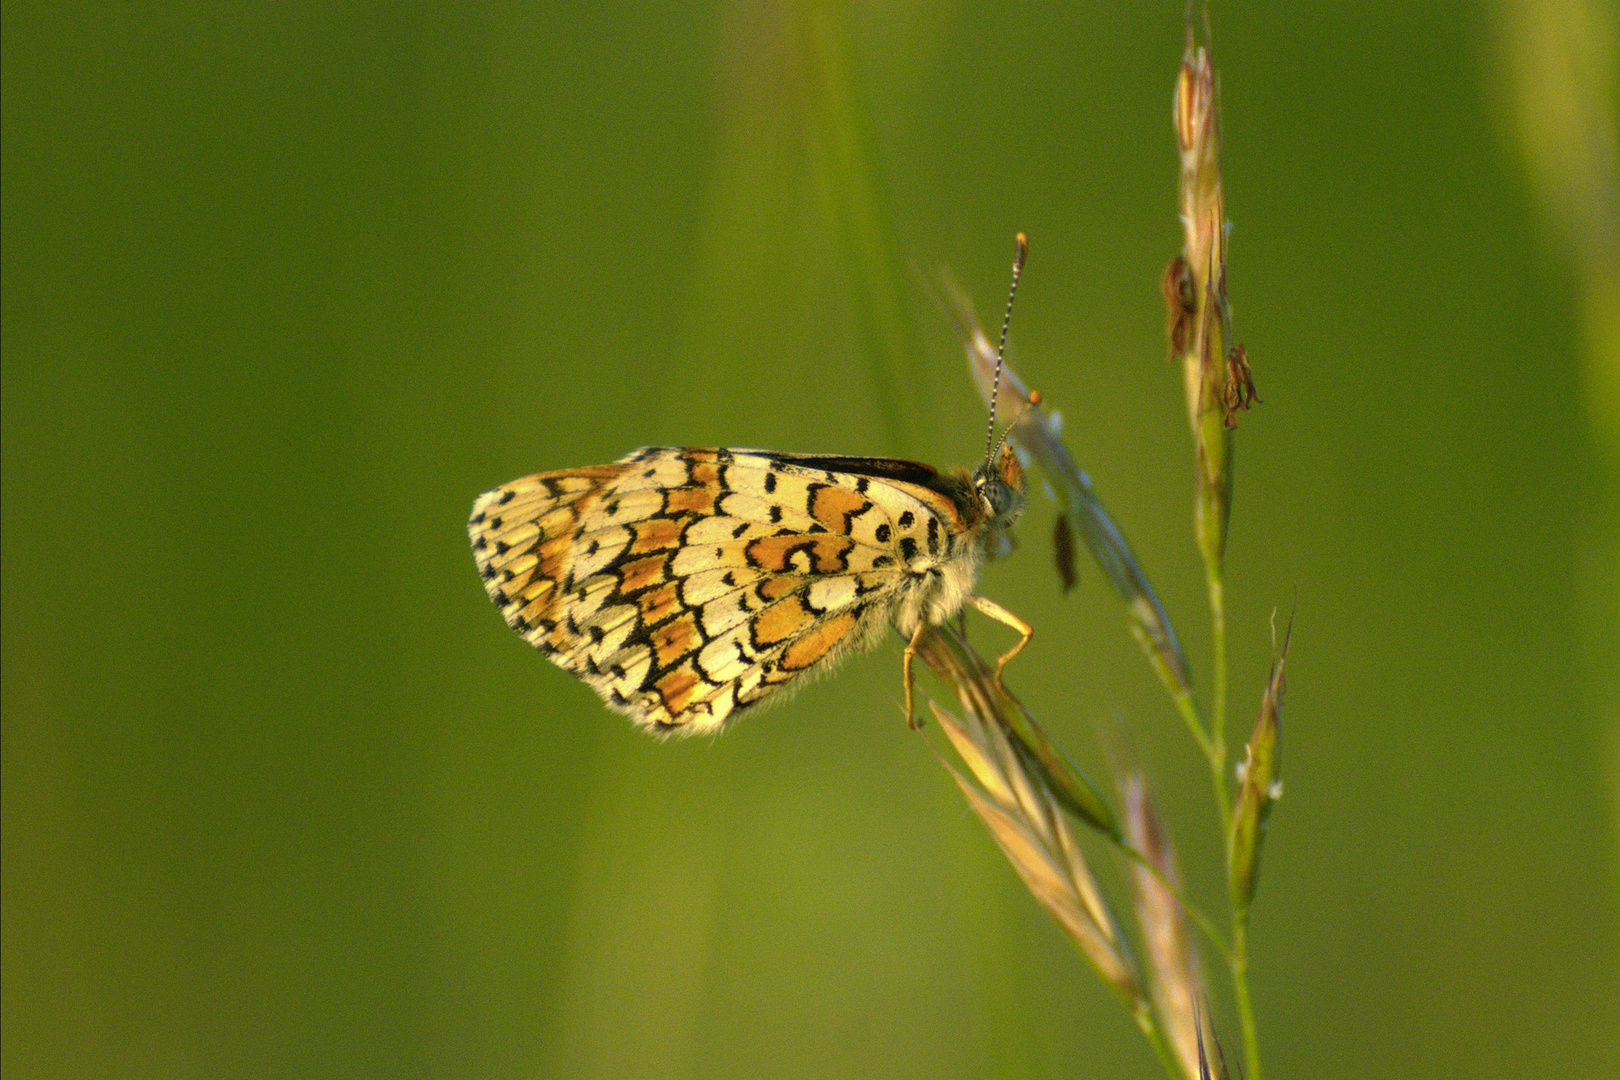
994 496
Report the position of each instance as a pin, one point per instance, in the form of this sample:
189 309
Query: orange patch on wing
833 506
701 467
774 588
637 575
677 687
656 534
674 640
551 569
826 551
535 611
553 554
660 604
694 500
781 620
817 643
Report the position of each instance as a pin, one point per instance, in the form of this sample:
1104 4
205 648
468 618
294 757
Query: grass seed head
1030 828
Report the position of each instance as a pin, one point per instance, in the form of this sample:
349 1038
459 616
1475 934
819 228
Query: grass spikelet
1029 826
1176 970
1199 317
1258 787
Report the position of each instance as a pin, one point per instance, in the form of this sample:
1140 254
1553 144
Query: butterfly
684 585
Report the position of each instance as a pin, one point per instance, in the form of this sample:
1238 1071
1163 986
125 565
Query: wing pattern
682 585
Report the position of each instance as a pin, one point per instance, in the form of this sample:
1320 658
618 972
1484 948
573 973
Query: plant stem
1216 745
1240 987
1188 709
1237 960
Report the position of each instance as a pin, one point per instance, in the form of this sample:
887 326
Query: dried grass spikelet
1176 970
1039 434
954 661
1010 792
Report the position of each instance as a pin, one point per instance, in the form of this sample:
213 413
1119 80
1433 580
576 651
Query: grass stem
1239 965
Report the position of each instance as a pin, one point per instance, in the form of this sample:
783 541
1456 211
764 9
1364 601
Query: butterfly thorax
984 504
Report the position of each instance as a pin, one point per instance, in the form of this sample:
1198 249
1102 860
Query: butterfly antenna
1019 255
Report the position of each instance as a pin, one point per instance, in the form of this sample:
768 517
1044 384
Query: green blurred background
286 286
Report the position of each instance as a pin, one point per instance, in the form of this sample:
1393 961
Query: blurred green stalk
1559 75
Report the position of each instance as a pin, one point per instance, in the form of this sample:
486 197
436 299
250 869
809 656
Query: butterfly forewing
682 584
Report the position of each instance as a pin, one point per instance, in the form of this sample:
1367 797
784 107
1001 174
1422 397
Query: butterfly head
999 485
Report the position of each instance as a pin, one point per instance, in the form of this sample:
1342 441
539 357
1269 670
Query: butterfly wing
683 584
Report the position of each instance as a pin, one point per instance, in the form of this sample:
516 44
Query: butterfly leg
1002 615
911 650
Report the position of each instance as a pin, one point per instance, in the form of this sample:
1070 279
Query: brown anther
1178 306
1238 393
